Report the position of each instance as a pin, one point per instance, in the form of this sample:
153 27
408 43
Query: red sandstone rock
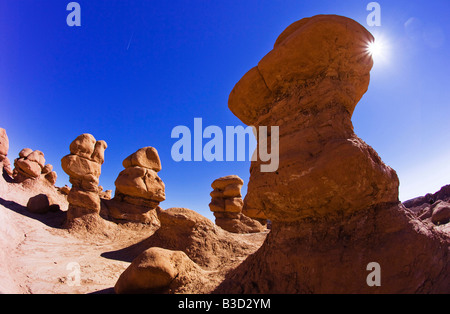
333 203
31 165
83 166
146 157
42 204
139 189
156 271
4 143
227 203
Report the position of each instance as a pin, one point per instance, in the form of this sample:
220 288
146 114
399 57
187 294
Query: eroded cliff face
333 203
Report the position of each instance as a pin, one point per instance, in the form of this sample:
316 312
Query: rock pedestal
227 203
139 189
333 203
83 166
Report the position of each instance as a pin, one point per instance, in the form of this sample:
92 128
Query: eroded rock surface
432 207
158 271
333 203
226 204
139 189
83 166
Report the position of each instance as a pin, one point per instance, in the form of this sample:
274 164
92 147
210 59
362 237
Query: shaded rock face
333 203
83 166
139 189
226 204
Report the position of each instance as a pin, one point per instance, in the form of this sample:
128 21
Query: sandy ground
39 256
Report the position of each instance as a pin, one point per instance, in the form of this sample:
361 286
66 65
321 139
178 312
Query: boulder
42 204
140 182
146 157
157 271
441 213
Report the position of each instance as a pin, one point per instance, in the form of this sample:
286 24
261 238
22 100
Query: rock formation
432 207
83 166
42 204
204 245
227 203
158 271
333 203
31 165
5 164
139 189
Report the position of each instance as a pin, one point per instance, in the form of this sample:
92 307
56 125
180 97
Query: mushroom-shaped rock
316 73
333 203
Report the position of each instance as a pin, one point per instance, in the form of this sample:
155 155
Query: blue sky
134 70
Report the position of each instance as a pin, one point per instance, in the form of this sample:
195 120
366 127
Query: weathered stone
156 271
333 203
227 203
42 204
146 158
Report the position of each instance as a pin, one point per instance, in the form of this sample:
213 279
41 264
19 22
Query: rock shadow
51 219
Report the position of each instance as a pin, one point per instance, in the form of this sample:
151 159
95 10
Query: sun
379 50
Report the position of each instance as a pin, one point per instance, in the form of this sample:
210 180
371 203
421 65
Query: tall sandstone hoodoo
333 203
226 204
83 166
139 189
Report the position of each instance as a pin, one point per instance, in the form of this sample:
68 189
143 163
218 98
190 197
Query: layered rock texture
83 166
139 189
226 204
333 203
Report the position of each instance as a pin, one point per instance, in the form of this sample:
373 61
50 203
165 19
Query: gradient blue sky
134 70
